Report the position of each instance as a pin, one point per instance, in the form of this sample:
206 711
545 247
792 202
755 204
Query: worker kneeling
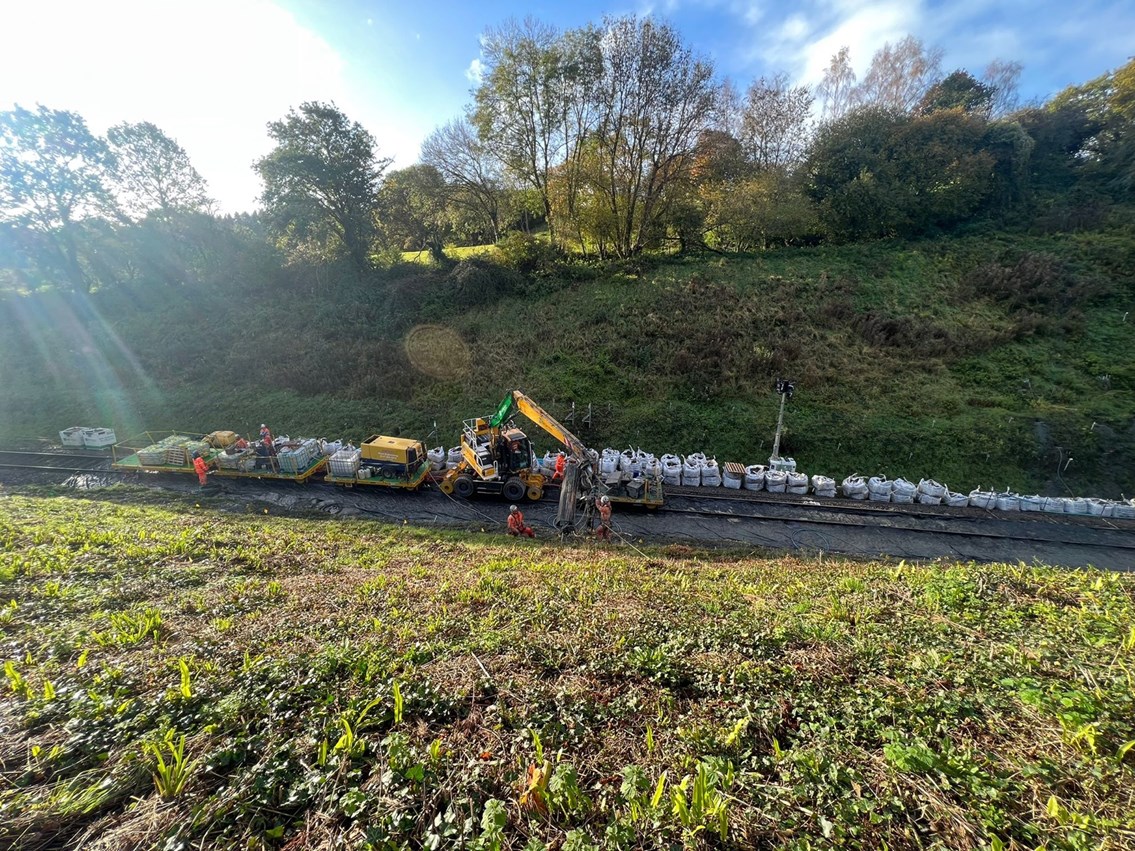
516 523
603 533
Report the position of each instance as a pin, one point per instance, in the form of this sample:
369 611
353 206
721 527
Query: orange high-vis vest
516 522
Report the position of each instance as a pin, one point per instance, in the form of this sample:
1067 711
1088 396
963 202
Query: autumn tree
1003 77
837 89
152 173
899 75
657 98
471 170
53 175
321 181
775 123
519 104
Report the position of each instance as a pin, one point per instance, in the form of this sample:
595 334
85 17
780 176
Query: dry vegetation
177 677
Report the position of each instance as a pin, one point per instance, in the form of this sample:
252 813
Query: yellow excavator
497 458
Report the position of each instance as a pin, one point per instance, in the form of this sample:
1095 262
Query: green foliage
816 702
320 183
171 770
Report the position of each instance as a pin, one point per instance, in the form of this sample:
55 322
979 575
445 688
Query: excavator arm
576 504
520 402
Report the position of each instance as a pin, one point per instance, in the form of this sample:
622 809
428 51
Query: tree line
614 138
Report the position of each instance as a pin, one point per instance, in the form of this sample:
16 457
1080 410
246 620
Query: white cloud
475 72
211 73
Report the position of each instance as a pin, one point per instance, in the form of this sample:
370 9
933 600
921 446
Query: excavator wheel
534 493
463 486
514 489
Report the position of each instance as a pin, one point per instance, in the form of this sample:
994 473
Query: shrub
527 254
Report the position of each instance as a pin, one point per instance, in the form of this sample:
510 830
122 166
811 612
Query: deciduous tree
53 174
837 89
775 123
152 173
470 169
657 98
321 180
900 75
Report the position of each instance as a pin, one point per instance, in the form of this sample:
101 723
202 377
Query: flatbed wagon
414 480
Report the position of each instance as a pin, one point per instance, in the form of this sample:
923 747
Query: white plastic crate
97 438
345 463
72 436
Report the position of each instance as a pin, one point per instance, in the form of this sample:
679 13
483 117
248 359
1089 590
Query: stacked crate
296 459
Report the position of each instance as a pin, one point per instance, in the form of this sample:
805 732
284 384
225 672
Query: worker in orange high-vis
561 461
516 523
603 533
201 467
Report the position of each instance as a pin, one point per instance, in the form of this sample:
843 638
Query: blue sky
212 73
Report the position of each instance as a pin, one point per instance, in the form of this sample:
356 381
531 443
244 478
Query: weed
171 770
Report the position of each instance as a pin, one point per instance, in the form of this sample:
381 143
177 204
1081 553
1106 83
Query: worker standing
603 533
516 525
265 435
561 461
201 467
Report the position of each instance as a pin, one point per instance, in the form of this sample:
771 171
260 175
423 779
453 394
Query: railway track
60 461
740 517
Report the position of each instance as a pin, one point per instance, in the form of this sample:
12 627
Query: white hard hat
604 499
512 508
263 426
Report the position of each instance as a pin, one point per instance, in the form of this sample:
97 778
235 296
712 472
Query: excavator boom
542 418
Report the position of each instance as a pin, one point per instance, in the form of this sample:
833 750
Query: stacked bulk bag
854 487
823 486
930 492
711 474
330 447
609 461
733 477
1052 505
982 499
1124 510
1031 503
691 472
671 470
233 459
651 467
879 489
956 500
755 477
453 458
436 457
902 491
776 481
1076 505
629 463
796 483
1008 502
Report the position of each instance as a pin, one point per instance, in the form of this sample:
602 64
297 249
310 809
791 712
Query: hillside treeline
609 140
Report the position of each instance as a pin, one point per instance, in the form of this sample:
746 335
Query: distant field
453 252
178 676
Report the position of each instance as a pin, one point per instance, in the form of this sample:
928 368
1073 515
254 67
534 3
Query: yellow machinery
390 462
497 457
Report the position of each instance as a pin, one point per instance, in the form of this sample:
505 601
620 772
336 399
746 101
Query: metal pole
779 426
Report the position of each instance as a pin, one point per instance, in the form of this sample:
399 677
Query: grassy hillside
179 677
977 360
